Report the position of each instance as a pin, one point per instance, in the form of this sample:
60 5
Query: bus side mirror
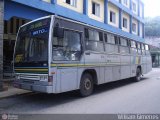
58 32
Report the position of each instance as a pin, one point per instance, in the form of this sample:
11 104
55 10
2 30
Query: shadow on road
116 84
41 101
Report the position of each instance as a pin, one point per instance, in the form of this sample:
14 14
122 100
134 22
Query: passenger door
68 56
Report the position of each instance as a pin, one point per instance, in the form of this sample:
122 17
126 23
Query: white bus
54 55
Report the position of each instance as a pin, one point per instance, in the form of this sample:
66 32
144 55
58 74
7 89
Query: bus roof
78 22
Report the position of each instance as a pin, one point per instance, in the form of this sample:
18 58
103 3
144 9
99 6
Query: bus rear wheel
138 75
86 85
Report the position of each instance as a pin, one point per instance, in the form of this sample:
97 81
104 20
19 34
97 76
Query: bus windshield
32 43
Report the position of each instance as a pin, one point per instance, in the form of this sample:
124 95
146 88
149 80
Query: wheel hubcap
87 84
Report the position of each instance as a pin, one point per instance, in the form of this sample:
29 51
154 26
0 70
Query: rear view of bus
31 56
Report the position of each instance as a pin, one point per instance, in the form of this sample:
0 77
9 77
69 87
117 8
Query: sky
152 8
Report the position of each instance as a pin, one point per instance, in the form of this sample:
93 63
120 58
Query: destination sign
41 31
35 25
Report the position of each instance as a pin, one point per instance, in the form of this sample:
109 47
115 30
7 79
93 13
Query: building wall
141 10
66 10
128 5
125 15
115 9
141 30
101 17
1 41
136 2
78 8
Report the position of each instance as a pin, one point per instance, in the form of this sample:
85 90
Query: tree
152 27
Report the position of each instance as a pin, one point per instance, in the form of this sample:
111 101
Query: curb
17 93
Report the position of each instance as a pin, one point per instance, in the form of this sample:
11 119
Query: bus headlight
17 77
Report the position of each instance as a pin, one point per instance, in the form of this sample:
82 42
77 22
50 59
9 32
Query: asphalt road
118 97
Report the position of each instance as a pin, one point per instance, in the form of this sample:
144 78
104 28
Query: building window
124 22
112 17
134 27
134 7
125 2
96 9
71 2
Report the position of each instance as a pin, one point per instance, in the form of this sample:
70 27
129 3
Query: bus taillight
50 80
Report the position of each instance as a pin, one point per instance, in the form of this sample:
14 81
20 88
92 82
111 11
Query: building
155 51
124 17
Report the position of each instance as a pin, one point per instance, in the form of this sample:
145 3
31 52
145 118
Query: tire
138 75
86 85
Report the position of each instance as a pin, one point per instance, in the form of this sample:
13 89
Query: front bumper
33 87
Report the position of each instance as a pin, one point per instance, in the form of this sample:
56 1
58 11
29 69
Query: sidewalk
9 90
12 92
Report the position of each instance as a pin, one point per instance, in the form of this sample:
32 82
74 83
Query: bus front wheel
86 85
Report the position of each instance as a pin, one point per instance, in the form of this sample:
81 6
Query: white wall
141 30
141 10
128 6
136 2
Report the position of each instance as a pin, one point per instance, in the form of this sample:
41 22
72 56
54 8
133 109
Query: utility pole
1 42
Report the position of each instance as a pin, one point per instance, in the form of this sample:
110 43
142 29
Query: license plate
16 85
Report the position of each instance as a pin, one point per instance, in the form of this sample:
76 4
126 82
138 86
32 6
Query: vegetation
152 27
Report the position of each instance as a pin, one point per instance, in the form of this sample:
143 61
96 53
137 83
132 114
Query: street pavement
123 97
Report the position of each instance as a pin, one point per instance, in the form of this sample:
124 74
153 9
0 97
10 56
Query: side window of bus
147 49
94 40
124 49
133 47
139 48
143 49
67 47
111 43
